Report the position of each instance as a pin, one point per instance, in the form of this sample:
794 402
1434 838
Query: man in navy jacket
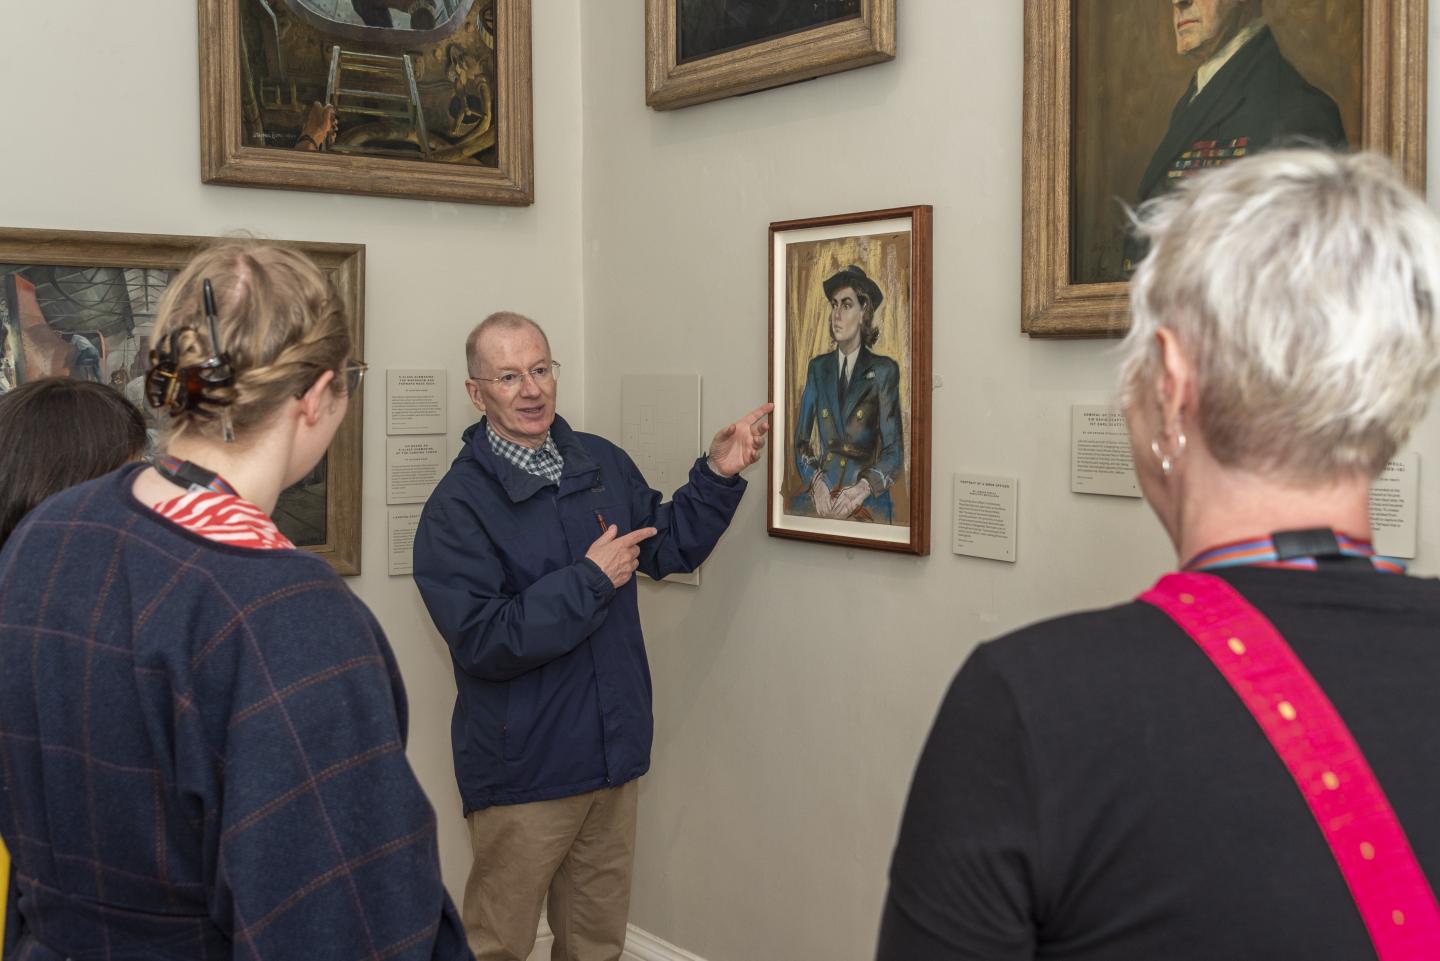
525 556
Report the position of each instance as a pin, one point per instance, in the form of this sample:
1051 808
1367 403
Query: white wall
100 109
794 689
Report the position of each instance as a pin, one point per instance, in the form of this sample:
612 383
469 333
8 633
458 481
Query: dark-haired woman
57 432
42 452
202 730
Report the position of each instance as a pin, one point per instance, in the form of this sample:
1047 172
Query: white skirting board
541 951
644 946
639 946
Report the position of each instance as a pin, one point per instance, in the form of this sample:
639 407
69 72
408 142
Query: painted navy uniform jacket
1256 100
859 434
553 684
202 750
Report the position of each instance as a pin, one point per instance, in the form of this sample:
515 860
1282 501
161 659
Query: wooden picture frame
137 267
487 147
826 275
1386 84
672 81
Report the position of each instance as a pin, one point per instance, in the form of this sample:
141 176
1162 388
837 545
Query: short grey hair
500 320
1302 285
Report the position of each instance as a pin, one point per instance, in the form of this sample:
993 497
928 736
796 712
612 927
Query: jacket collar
520 484
1207 70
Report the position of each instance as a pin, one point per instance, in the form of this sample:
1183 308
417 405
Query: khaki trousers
579 850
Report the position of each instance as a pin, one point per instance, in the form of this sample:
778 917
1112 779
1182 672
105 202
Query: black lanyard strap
186 474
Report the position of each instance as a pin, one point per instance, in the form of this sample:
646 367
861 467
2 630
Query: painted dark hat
854 278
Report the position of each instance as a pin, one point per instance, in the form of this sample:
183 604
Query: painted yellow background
4 889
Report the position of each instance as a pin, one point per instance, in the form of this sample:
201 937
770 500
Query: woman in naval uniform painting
848 440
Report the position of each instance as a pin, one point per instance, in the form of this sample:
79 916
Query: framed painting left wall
82 303
425 99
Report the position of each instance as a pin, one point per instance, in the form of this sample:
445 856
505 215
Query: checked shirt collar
543 461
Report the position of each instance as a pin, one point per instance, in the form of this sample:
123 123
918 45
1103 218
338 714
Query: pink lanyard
1370 847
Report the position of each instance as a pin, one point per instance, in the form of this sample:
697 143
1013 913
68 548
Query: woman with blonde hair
1244 763
202 728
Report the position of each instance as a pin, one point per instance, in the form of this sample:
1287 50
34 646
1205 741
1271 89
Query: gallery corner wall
793 689
102 133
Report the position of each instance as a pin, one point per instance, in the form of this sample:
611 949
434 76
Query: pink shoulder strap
1375 857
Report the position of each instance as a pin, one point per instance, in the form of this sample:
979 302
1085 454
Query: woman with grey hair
1244 762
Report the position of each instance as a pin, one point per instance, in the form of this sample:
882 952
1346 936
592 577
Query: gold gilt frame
224 159
1393 123
826 49
345 265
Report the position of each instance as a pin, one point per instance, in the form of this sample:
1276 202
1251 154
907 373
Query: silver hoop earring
1165 462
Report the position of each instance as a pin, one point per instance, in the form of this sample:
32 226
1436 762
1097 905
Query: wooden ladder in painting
381 87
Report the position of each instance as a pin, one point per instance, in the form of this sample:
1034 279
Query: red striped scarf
226 519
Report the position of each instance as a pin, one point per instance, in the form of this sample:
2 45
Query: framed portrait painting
426 99
1124 99
82 304
850 379
701 50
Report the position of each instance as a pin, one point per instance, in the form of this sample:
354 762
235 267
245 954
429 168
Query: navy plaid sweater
202 750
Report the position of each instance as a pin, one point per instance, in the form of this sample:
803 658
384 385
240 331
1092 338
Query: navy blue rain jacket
554 687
